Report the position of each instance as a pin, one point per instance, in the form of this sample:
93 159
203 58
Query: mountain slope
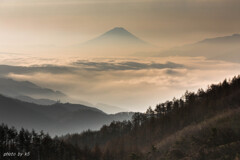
202 125
115 42
215 138
20 114
29 92
235 38
56 119
109 108
225 48
13 88
41 101
198 126
116 36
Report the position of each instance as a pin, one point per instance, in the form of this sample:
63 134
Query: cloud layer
85 65
130 83
129 65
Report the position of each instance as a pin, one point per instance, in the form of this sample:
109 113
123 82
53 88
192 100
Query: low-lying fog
132 83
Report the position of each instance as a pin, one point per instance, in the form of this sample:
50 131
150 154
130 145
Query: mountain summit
115 42
116 36
118 31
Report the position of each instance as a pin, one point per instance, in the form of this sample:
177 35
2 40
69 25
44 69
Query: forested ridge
15 145
201 125
139 138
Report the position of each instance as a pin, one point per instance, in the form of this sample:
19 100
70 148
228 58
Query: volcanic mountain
117 41
116 36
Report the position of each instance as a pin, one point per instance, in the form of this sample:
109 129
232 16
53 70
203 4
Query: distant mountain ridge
13 88
109 108
41 101
225 39
29 92
59 118
226 48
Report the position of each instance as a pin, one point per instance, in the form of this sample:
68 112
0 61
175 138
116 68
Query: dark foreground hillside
215 138
143 137
199 126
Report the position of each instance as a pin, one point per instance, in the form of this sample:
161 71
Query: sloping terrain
56 119
13 88
115 42
214 138
202 125
225 48
117 36
198 126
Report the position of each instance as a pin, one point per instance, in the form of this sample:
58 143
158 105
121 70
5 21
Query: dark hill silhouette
41 101
29 92
20 114
58 118
13 88
202 125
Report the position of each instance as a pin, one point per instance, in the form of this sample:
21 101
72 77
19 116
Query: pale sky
48 27
30 25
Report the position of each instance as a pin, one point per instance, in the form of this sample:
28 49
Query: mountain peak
116 41
119 28
118 36
119 31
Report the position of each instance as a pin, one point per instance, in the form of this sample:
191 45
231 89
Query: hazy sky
48 27
33 26
131 83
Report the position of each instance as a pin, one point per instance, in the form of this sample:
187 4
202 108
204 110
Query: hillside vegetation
198 126
56 119
147 135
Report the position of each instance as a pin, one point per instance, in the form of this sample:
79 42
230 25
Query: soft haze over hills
198 126
29 92
41 101
67 66
13 88
235 38
58 118
225 48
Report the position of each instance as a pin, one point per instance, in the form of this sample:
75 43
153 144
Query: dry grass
193 129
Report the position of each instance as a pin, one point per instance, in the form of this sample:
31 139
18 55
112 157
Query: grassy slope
216 138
